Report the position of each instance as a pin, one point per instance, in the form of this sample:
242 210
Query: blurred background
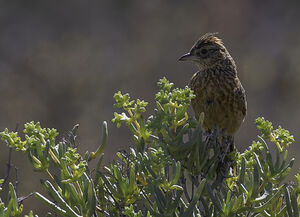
61 63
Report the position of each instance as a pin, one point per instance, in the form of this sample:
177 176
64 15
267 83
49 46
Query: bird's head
207 52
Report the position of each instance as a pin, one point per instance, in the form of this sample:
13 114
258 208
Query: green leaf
264 206
242 171
97 176
102 146
288 201
91 199
197 196
215 200
294 203
265 127
51 205
255 183
122 101
160 199
176 170
120 118
59 199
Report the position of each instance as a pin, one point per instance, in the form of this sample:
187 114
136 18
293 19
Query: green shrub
174 168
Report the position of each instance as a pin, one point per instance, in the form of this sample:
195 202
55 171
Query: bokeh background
62 61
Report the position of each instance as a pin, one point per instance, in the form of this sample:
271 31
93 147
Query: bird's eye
203 51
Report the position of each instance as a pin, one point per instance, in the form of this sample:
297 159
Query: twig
110 194
193 184
9 161
8 167
20 199
150 202
17 181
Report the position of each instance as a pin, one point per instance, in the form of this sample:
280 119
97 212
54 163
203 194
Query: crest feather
208 38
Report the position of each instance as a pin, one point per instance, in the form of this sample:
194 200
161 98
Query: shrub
174 168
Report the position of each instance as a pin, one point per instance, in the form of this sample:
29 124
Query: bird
219 92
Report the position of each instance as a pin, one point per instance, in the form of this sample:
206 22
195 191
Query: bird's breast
216 97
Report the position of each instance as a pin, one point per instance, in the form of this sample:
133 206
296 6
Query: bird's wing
241 98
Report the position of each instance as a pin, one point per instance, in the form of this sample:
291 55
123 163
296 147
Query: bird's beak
187 57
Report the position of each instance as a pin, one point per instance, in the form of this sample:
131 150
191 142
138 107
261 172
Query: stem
50 175
174 125
261 187
54 157
56 184
36 159
78 189
135 122
276 142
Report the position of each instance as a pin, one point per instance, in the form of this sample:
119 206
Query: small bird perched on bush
219 92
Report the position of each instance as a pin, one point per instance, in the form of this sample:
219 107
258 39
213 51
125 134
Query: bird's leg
216 132
231 145
208 136
212 136
227 145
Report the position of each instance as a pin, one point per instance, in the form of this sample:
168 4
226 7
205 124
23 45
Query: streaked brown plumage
219 92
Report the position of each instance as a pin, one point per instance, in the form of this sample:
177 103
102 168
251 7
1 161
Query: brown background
61 62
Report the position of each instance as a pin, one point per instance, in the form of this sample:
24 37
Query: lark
219 92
